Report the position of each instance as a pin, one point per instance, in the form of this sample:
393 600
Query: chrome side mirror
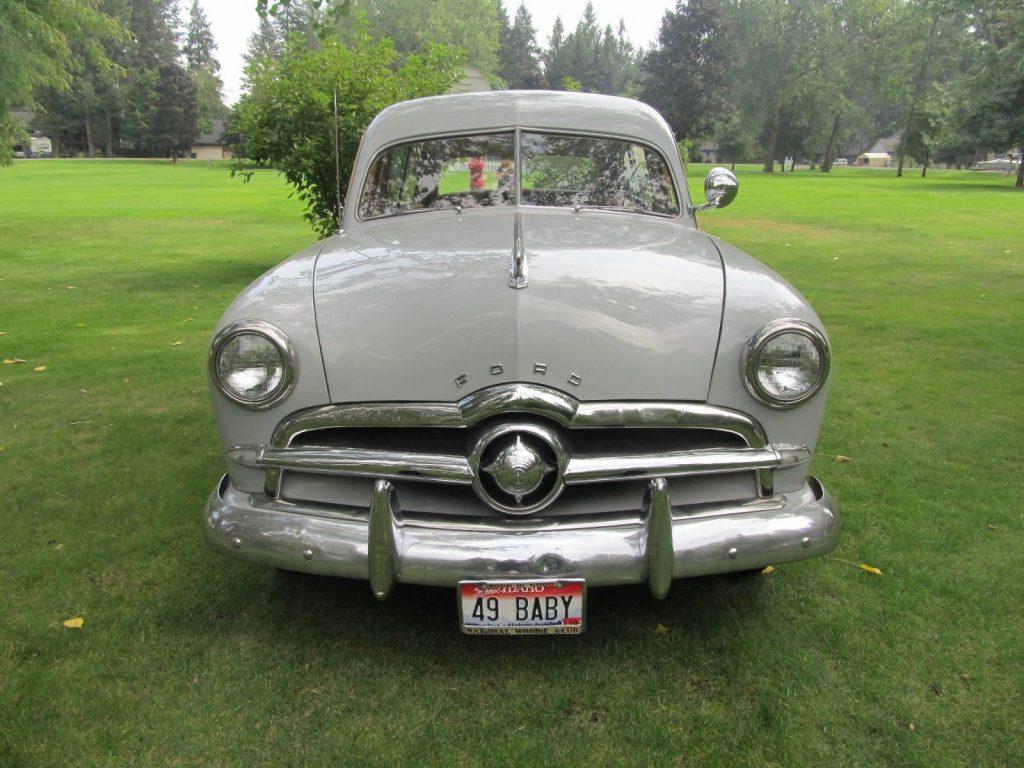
720 188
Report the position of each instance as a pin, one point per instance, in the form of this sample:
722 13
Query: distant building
473 81
708 151
874 159
210 145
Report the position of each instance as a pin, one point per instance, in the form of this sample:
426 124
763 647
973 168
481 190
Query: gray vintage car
520 369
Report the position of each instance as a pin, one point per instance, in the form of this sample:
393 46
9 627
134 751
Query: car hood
617 306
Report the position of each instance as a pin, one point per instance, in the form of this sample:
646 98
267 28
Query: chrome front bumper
661 543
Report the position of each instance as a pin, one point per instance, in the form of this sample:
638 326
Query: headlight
252 363
786 363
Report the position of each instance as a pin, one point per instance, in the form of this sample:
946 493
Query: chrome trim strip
706 461
277 337
660 549
358 462
520 397
748 360
518 276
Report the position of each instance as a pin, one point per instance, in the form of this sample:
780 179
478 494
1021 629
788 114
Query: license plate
540 607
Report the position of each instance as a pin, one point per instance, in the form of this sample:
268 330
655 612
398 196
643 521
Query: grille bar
706 461
358 462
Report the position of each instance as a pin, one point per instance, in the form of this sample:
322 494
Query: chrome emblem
518 469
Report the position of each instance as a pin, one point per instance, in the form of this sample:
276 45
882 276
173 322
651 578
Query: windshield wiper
631 208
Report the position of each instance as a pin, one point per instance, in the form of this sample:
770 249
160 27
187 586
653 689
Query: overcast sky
234 20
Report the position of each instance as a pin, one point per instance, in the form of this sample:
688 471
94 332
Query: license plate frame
569 619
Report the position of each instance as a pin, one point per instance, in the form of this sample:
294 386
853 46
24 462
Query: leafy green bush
286 119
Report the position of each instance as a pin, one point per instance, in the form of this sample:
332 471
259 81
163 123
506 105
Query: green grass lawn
112 275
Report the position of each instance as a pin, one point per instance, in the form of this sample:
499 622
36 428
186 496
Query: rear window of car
448 172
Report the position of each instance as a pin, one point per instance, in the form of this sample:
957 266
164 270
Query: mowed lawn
112 275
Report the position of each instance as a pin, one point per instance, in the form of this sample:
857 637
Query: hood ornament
517 269
518 469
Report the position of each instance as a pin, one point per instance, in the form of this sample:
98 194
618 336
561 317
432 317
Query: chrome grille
333 454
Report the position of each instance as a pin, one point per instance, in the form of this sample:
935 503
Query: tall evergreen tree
174 118
264 46
199 45
201 62
554 56
520 57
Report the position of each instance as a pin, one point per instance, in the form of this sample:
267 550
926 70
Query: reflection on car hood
618 305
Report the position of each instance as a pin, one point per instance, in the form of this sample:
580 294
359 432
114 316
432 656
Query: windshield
582 170
557 170
463 171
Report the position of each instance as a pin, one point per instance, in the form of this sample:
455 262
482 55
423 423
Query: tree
519 58
175 116
199 51
685 73
286 117
38 40
734 140
264 46
153 25
199 46
992 111
554 57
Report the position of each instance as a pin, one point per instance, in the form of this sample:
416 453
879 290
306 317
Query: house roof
887 143
213 137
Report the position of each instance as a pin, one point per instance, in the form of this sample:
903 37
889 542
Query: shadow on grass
306 612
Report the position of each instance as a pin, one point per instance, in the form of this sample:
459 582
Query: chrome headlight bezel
752 353
273 334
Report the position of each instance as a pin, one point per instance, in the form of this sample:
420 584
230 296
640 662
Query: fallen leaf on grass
75 623
842 459
80 325
870 569
990 527
661 629
768 569
177 343
39 368
13 361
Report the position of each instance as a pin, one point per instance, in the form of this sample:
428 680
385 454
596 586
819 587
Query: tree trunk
899 168
1020 174
90 148
924 168
826 164
734 164
773 142
110 136
792 164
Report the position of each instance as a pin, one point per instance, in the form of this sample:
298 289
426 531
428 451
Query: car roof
480 112
491 110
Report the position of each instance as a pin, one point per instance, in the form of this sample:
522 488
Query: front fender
283 297
754 296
